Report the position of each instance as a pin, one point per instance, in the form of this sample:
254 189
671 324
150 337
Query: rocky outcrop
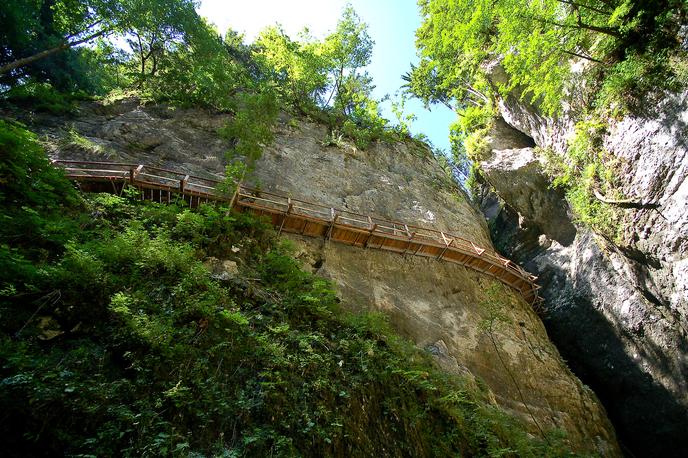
515 171
471 323
618 314
439 306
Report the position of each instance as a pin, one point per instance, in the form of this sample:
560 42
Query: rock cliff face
472 324
619 315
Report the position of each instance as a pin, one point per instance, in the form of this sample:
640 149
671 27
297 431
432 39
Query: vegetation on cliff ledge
54 51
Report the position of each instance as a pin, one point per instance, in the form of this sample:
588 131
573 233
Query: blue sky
391 24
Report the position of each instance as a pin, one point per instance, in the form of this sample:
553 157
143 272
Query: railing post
333 221
133 173
410 238
447 244
286 215
371 229
477 249
182 183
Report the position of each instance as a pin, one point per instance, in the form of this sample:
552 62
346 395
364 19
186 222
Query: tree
161 28
299 67
61 25
327 75
536 41
348 49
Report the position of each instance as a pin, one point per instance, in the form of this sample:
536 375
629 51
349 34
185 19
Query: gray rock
618 314
222 270
515 172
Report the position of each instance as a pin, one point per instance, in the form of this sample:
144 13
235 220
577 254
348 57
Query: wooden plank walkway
305 218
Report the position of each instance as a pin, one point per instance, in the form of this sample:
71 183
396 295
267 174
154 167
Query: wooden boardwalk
306 218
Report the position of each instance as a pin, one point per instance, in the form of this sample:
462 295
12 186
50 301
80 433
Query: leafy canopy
38 37
536 42
327 77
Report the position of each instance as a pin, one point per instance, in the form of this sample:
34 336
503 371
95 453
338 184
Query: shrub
43 97
585 169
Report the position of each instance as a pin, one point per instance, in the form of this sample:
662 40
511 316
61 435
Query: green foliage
468 141
404 120
32 194
204 70
538 42
118 341
299 68
474 179
250 129
627 83
43 97
46 34
612 56
587 168
251 125
105 66
177 58
349 48
73 139
493 310
335 138
324 79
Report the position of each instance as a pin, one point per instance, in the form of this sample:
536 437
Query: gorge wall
617 312
472 324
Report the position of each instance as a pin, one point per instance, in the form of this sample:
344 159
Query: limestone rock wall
446 309
618 314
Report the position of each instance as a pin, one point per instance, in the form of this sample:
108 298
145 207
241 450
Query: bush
631 83
33 194
43 97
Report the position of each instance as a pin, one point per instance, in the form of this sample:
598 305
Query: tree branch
470 89
48 52
591 59
88 27
580 26
624 203
580 5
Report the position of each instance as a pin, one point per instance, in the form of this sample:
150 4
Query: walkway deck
305 218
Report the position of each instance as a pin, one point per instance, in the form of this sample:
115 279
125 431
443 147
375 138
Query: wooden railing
155 183
306 218
364 231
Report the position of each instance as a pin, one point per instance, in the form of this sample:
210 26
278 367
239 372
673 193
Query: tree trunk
48 52
28 60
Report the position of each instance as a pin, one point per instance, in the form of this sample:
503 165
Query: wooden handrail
332 218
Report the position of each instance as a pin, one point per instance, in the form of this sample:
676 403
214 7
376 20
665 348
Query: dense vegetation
557 52
174 56
117 340
592 60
